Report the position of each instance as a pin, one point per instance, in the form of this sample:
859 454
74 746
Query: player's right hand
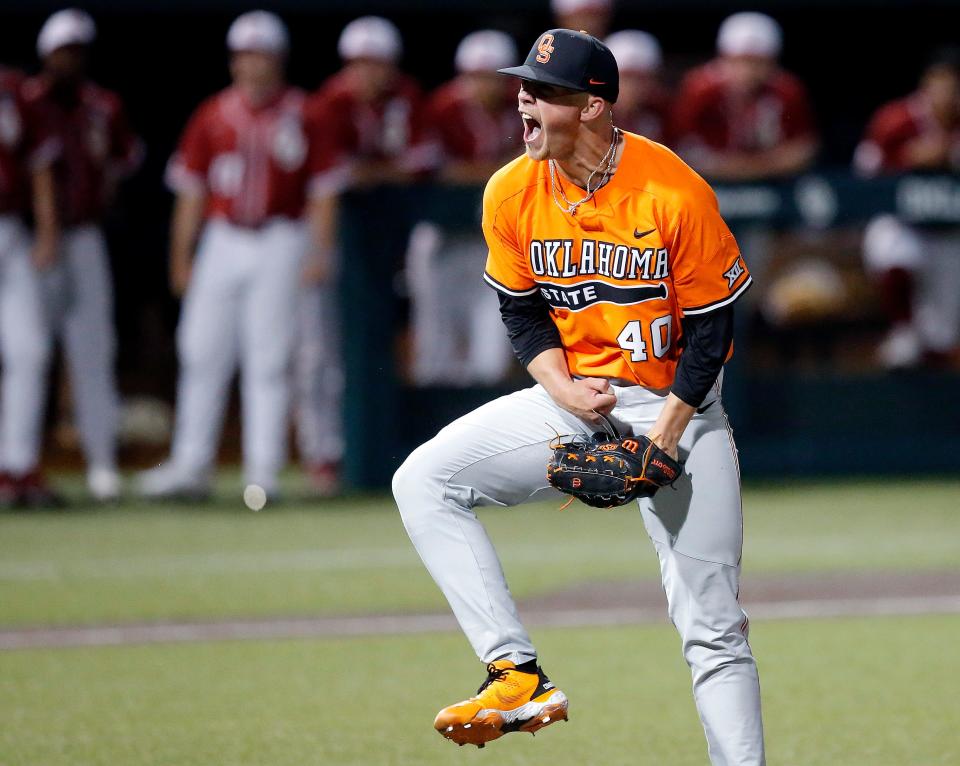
180 271
316 271
928 151
587 398
45 252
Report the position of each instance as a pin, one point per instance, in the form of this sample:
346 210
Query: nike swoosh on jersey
642 234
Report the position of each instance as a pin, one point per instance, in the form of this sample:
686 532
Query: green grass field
877 692
871 691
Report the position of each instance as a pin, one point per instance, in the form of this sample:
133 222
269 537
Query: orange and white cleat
513 698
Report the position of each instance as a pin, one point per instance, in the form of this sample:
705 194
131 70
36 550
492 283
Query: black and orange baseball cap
574 60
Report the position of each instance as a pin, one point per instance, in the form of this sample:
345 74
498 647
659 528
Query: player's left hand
611 472
181 269
929 151
45 252
670 425
316 271
670 446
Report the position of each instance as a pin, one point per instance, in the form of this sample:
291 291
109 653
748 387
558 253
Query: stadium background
121 627
164 58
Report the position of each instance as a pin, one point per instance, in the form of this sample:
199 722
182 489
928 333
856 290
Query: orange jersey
647 250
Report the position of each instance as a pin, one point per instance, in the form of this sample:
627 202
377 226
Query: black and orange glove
607 472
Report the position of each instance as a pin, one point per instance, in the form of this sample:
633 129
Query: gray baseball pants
496 456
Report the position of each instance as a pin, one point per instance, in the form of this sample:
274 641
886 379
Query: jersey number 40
631 338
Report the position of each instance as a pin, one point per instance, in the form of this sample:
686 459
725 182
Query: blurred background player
473 117
644 105
371 117
373 121
916 269
458 337
592 15
27 151
241 176
740 117
98 150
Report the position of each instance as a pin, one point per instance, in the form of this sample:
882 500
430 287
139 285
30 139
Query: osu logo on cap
545 48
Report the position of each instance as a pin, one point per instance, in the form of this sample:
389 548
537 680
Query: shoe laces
493 674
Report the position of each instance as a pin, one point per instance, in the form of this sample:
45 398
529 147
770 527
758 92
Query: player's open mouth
531 129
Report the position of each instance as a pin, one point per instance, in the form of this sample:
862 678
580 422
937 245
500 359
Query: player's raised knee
407 479
417 480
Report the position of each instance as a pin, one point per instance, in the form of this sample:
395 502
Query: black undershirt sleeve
707 339
529 326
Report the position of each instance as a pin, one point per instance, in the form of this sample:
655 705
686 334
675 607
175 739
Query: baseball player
371 117
617 278
915 268
241 175
741 117
644 105
98 149
592 15
457 338
372 111
27 151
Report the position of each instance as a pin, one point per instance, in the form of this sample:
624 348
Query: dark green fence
789 423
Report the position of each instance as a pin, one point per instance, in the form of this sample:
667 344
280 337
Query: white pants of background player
79 298
318 377
458 336
24 351
496 456
240 308
933 257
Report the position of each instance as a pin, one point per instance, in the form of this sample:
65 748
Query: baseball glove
605 472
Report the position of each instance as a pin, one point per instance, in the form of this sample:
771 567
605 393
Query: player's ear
592 108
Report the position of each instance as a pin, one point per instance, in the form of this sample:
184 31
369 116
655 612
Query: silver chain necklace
606 163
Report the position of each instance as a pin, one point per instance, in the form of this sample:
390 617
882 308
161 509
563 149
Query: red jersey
650 119
467 131
707 114
252 163
97 145
26 143
893 127
391 129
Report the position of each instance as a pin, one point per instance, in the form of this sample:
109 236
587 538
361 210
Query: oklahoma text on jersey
647 250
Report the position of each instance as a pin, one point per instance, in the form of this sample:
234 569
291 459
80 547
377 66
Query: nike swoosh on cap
596 82
642 234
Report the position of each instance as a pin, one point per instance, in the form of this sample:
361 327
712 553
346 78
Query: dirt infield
597 604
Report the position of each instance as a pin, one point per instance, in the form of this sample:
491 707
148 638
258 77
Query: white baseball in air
255 497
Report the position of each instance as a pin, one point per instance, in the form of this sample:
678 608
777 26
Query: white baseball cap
70 26
485 51
749 34
370 37
572 6
258 31
635 51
